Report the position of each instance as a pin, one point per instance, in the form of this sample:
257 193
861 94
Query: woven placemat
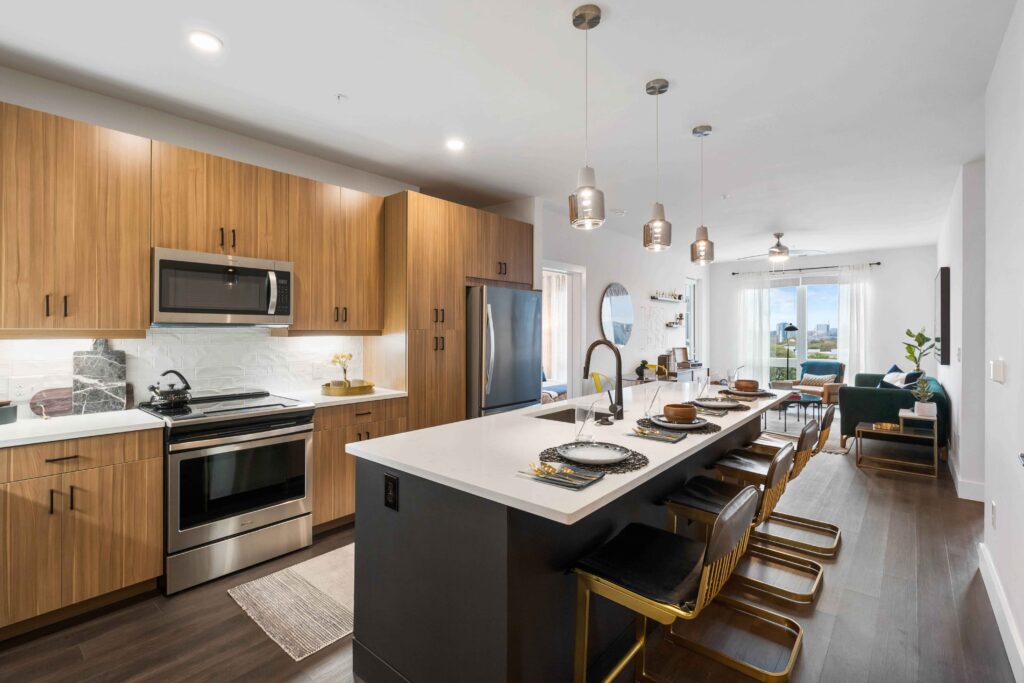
739 406
709 428
635 461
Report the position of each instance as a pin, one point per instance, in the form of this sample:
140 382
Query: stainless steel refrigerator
503 349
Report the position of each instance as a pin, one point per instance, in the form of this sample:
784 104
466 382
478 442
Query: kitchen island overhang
468 578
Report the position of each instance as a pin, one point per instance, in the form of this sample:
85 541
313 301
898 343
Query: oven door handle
241 439
272 277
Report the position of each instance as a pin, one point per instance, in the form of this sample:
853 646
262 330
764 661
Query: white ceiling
841 124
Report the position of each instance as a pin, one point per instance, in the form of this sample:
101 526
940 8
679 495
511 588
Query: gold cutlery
540 472
567 471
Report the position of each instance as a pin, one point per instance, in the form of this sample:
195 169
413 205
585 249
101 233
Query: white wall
613 256
26 90
899 297
962 247
1002 553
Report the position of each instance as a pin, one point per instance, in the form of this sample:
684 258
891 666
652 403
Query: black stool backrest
732 525
775 482
808 436
826 418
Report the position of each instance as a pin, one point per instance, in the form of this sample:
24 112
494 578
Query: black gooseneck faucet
618 372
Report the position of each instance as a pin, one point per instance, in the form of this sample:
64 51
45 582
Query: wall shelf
668 299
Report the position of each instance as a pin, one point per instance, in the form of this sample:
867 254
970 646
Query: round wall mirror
616 314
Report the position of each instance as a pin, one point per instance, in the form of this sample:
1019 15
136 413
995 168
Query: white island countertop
483 456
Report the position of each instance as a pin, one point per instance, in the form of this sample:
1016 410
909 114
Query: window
813 308
690 317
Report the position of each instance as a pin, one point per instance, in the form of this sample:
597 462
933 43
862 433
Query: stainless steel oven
238 492
194 288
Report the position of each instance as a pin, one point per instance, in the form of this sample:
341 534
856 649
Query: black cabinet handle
233 242
442 343
499 267
51 500
46 305
367 435
72 497
435 343
344 314
65 305
435 315
364 414
442 315
504 267
66 457
359 436
337 312
222 237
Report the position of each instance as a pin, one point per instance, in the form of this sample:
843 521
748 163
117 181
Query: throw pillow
817 380
894 368
894 379
885 385
912 377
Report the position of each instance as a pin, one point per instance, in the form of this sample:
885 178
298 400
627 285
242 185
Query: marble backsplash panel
209 358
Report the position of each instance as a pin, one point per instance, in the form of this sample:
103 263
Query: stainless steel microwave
194 288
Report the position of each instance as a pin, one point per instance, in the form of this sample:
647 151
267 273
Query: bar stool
702 499
749 466
774 440
665 577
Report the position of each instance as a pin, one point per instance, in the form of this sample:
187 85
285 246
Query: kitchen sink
568 415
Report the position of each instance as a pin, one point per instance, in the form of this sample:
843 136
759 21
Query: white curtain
755 327
555 326
853 333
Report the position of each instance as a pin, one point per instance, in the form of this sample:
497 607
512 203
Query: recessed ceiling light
455 144
205 42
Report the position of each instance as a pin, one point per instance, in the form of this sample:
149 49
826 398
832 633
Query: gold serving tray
887 426
352 387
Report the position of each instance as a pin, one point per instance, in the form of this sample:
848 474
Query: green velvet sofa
865 402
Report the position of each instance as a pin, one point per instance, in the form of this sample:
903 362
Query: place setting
674 423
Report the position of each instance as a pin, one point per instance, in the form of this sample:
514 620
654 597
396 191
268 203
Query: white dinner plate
662 422
593 452
716 403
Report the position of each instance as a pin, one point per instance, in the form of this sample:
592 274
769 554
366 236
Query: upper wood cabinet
74 224
435 238
207 203
498 248
336 238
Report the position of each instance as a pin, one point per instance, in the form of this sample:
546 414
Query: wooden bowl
680 413
747 384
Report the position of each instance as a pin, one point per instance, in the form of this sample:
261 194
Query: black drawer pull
442 315
66 457
51 500
337 313
72 497
442 343
222 237
65 305
364 414
46 305
344 314
435 343
435 315
499 267
367 434
233 242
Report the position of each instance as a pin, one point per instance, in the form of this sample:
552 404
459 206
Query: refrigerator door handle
490 350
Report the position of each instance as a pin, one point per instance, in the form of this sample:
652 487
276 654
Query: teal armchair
865 402
830 392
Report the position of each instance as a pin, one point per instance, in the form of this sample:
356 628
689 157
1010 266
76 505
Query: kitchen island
462 562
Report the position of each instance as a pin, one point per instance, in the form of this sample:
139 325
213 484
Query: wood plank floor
902 602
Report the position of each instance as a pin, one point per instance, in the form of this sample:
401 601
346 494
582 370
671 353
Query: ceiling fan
779 252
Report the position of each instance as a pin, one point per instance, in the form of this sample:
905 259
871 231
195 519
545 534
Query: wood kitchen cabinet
74 223
437 377
333 468
436 275
84 532
336 238
202 202
498 248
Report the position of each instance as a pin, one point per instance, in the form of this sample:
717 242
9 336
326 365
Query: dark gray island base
454 587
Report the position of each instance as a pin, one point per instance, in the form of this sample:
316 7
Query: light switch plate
997 370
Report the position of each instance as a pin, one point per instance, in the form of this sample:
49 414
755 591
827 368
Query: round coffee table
812 401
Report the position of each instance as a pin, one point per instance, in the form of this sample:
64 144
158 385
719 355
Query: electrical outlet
993 514
21 391
391 491
958 356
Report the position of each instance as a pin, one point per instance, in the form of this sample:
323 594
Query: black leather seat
742 460
705 493
651 562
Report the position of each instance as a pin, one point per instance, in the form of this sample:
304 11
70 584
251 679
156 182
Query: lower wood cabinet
334 470
73 536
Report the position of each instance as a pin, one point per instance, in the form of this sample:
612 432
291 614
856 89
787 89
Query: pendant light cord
702 181
657 148
586 98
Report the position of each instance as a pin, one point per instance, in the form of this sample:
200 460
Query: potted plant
923 394
918 348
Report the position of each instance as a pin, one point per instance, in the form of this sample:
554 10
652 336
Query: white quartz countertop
483 456
314 396
38 430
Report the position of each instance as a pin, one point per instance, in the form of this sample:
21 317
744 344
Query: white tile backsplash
210 359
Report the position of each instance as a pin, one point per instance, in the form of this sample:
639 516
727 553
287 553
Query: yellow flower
341 359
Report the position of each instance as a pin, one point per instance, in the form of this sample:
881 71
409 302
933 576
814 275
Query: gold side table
900 432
